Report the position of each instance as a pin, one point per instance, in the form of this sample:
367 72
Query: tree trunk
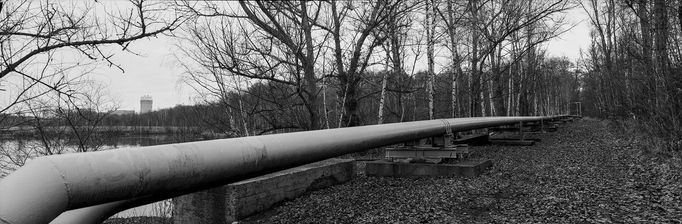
342 108
526 103
350 103
309 71
243 114
347 78
382 99
498 102
455 60
661 36
352 75
481 89
324 105
430 28
510 91
475 80
397 65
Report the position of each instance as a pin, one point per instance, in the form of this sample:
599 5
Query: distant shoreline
28 131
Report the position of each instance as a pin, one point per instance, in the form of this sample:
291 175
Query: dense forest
336 64
298 65
632 69
265 67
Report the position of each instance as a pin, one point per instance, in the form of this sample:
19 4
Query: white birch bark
430 28
382 99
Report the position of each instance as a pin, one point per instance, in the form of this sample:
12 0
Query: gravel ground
583 173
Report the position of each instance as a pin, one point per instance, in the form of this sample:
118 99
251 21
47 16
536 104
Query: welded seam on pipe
64 180
448 126
140 178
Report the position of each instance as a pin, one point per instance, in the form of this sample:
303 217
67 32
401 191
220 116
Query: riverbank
29 131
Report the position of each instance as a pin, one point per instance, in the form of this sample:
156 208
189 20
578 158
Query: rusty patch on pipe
255 154
183 163
143 172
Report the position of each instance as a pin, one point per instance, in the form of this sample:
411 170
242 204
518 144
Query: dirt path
582 173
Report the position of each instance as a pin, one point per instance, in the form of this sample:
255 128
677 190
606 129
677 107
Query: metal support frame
578 109
421 153
521 132
431 148
89 187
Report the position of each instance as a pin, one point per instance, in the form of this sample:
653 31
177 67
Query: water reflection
137 141
62 146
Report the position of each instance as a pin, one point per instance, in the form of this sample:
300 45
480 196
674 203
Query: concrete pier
238 200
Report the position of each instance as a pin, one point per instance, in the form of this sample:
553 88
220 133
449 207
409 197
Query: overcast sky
156 72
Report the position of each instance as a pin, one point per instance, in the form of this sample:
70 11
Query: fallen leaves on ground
583 173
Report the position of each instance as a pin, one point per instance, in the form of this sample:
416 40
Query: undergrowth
653 136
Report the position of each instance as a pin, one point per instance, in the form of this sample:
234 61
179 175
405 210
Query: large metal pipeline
99 183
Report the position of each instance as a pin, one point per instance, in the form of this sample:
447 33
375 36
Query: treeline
178 116
299 65
633 65
200 116
269 106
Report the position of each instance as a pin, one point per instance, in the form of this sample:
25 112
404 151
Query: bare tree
661 32
33 34
632 65
57 123
372 21
452 21
47 49
492 24
268 41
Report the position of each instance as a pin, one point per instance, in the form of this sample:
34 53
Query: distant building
123 112
145 104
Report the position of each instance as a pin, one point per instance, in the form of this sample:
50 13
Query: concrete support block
201 207
238 200
385 168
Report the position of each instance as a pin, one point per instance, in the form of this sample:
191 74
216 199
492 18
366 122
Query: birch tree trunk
382 98
455 60
243 114
527 106
497 104
475 80
430 28
481 89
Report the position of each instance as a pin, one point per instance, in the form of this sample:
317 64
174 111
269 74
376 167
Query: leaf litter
583 173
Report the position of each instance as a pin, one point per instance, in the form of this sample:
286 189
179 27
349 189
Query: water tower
145 104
